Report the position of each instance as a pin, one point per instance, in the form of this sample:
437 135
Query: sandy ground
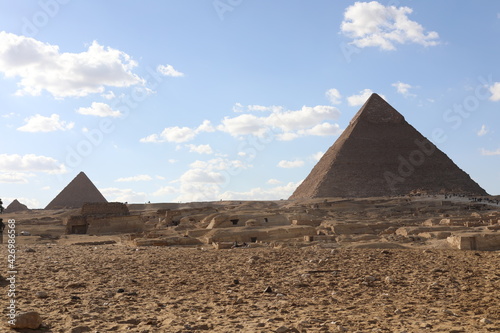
116 288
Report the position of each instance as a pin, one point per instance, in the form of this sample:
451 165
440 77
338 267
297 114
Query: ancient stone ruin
79 191
380 154
103 219
15 206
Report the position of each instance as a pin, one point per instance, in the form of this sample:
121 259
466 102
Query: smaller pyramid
79 191
15 206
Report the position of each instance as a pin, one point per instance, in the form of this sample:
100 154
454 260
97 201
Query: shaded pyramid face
15 206
76 193
380 154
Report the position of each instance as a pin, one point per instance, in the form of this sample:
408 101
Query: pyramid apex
377 110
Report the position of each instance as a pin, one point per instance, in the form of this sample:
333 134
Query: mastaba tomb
79 191
380 154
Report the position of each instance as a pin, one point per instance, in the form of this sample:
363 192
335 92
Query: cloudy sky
232 99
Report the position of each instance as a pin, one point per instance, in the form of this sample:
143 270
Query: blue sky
168 101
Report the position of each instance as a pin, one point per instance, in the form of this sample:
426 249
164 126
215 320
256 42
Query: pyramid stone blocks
380 154
79 191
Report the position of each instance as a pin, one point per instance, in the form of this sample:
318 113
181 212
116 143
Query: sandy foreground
117 288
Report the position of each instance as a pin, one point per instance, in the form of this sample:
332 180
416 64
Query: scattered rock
80 329
31 320
41 294
76 285
120 290
449 312
388 279
29 250
268 289
369 278
485 321
282 329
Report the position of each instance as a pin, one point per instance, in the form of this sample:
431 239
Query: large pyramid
380 154
76 193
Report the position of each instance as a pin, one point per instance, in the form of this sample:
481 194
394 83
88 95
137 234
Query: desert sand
116 288
379 282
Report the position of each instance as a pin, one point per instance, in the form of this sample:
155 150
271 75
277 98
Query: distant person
2 227
1 206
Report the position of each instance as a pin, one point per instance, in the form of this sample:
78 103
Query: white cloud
202 176
204 179
211 192
108 95
304 118
288 136
165 190
30 163
486 152
123 195
99 110
172 160
190 192
238 107
244 124
39 123
15 177
10 115
323 129
169 70
137 178
274 181
290 164
276 193
482 131
41 66
334 96
218 164
495 92
403 89
317 156
178 134
371 24
200 149
206 126
285 124
360 99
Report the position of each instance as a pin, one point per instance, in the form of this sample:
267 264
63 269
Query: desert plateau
332 265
